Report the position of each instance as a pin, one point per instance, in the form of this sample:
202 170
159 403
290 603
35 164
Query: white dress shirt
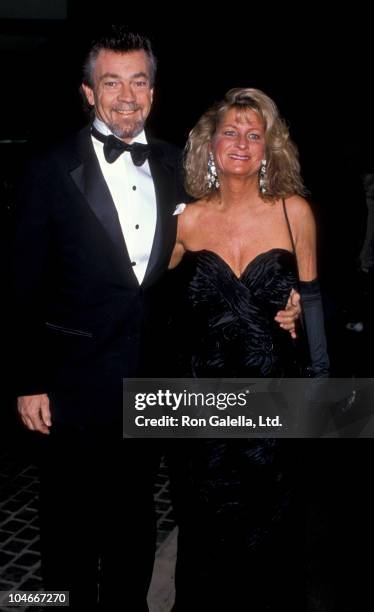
133 194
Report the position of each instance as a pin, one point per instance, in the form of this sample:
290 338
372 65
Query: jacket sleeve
28 284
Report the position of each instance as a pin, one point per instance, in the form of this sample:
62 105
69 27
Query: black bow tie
113 148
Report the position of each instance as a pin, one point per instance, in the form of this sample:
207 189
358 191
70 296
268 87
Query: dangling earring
212 174
262 176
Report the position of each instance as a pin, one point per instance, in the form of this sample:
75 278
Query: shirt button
136 226
133 263
134 187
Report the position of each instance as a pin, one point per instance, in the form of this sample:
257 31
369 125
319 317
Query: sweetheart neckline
249 264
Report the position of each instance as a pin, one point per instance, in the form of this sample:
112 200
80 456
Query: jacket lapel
164 239
89 179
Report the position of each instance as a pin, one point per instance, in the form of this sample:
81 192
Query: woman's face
238 145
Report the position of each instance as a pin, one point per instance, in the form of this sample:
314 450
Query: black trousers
97 519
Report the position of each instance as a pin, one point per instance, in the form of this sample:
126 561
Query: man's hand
287 318
35 413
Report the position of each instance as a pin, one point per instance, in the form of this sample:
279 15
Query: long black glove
311 303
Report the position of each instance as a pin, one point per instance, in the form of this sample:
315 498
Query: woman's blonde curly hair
282 164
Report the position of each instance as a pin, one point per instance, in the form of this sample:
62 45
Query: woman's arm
304 229
188 227
177 254
179 249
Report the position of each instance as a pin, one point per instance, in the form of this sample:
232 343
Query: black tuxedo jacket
80 315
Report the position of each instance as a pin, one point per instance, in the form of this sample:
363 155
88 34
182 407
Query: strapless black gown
227 323
239 511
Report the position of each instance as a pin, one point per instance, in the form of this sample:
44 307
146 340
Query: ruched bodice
230 319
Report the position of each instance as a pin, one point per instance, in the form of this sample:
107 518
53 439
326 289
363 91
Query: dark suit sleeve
29 290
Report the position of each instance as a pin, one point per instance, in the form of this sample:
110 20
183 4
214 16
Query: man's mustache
130 106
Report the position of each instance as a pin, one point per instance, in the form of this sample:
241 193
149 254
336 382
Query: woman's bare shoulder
298 206
192 213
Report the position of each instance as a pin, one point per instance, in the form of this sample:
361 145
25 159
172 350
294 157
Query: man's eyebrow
109 75
140 74
112 75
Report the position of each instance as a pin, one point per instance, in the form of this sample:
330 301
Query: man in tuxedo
94 237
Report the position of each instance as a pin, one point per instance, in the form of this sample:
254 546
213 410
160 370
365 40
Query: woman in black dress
241 248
